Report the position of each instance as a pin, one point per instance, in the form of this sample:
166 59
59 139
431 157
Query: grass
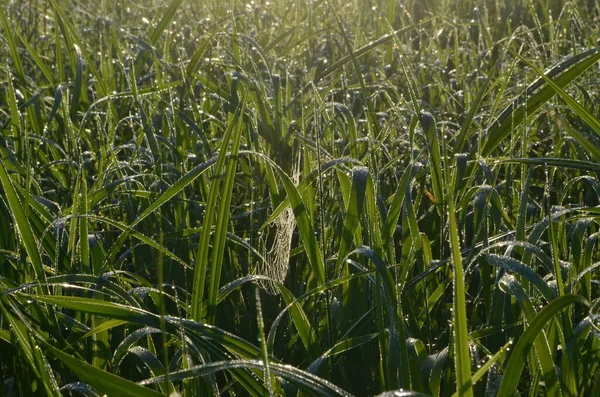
300 198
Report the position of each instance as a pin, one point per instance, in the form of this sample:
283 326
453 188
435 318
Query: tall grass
437 162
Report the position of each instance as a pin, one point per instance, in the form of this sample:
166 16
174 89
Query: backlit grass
299 197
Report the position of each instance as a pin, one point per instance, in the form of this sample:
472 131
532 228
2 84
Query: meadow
300 198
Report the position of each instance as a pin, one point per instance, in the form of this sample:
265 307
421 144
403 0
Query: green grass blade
28 345
354 210
402 393
135 315
555 162
223 221
309 383
77 87
515 265
203 258
463 134
14 52
462 357
139 236
102 89
435 158
518 357
477 376
22 225
103 381
582 112
165 21
542 349
37 59
559 76
175 189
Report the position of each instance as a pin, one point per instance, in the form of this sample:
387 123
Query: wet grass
299 198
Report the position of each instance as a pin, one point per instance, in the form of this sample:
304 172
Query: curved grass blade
103 381
143 238
488 364
81 388
582 112
21 329
514 265
340 347
132 314
542 349
37 59
22 225
518 357
306 181
557 77
402 393
153 364
525 246
223 219
175 188
555 162
305 380
463 133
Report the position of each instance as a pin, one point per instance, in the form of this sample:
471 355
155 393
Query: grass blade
22 225
353 211
557 77
103 381
462 357
305 380
518 357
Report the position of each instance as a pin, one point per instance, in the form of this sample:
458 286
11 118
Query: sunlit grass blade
582 112
537 95
222 222
41 64
341 347
309 383
542 349
145 239
493 360
514 265
199 308
15 57
132 314
402 393
518 357
22 225
435 158
75 37
462 356
165 20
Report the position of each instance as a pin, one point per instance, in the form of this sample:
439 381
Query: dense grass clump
300 197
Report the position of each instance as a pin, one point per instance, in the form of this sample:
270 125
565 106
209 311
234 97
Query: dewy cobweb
277 257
